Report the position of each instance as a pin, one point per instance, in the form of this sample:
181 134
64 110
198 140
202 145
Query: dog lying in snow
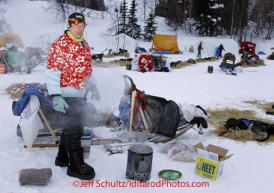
261 129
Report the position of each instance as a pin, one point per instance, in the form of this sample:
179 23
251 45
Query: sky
248 170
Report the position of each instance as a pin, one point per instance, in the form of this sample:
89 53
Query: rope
217 120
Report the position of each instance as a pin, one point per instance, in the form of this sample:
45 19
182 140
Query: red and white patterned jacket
72 60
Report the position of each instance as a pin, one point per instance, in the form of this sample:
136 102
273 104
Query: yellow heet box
210 161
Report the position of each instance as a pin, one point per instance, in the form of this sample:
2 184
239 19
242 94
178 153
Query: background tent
250 46
122 41
164 42
9 39
210 44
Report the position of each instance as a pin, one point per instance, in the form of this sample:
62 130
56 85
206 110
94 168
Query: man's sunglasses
76 21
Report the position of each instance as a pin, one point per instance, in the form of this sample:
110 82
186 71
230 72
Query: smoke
110 83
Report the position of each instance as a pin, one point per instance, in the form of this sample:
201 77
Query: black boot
62 155
77 167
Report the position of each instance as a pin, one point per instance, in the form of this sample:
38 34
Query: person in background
220 49
69 78
200 47
244 56
13 58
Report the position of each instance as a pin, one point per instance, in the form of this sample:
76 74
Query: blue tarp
40 92
261 53
163 52
216 51
143 50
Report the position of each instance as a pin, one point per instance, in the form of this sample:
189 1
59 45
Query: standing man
200 47
69 77
220 49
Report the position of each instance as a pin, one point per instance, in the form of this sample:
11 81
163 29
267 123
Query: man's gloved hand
95 93
59 104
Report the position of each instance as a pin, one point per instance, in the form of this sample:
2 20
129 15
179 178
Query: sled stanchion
131 112
144 119
133 96
48 125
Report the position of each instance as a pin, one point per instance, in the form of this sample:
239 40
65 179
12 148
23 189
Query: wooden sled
55 133
51 132
99 141
148 135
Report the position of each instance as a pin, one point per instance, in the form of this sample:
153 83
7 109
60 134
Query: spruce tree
208 17
123 18
150 28
133 29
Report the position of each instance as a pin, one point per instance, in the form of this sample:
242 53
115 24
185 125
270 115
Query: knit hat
76 18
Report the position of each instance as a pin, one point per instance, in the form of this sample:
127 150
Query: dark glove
59 104
199 121
95 93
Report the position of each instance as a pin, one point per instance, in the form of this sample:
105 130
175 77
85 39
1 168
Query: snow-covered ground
248 170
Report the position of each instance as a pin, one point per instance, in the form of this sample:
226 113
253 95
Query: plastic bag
179 151
30 122
183 152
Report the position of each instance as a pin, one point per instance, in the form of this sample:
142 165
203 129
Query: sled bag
169 120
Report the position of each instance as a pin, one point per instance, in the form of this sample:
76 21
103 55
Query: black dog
122 51
232 124
261 129
98 57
